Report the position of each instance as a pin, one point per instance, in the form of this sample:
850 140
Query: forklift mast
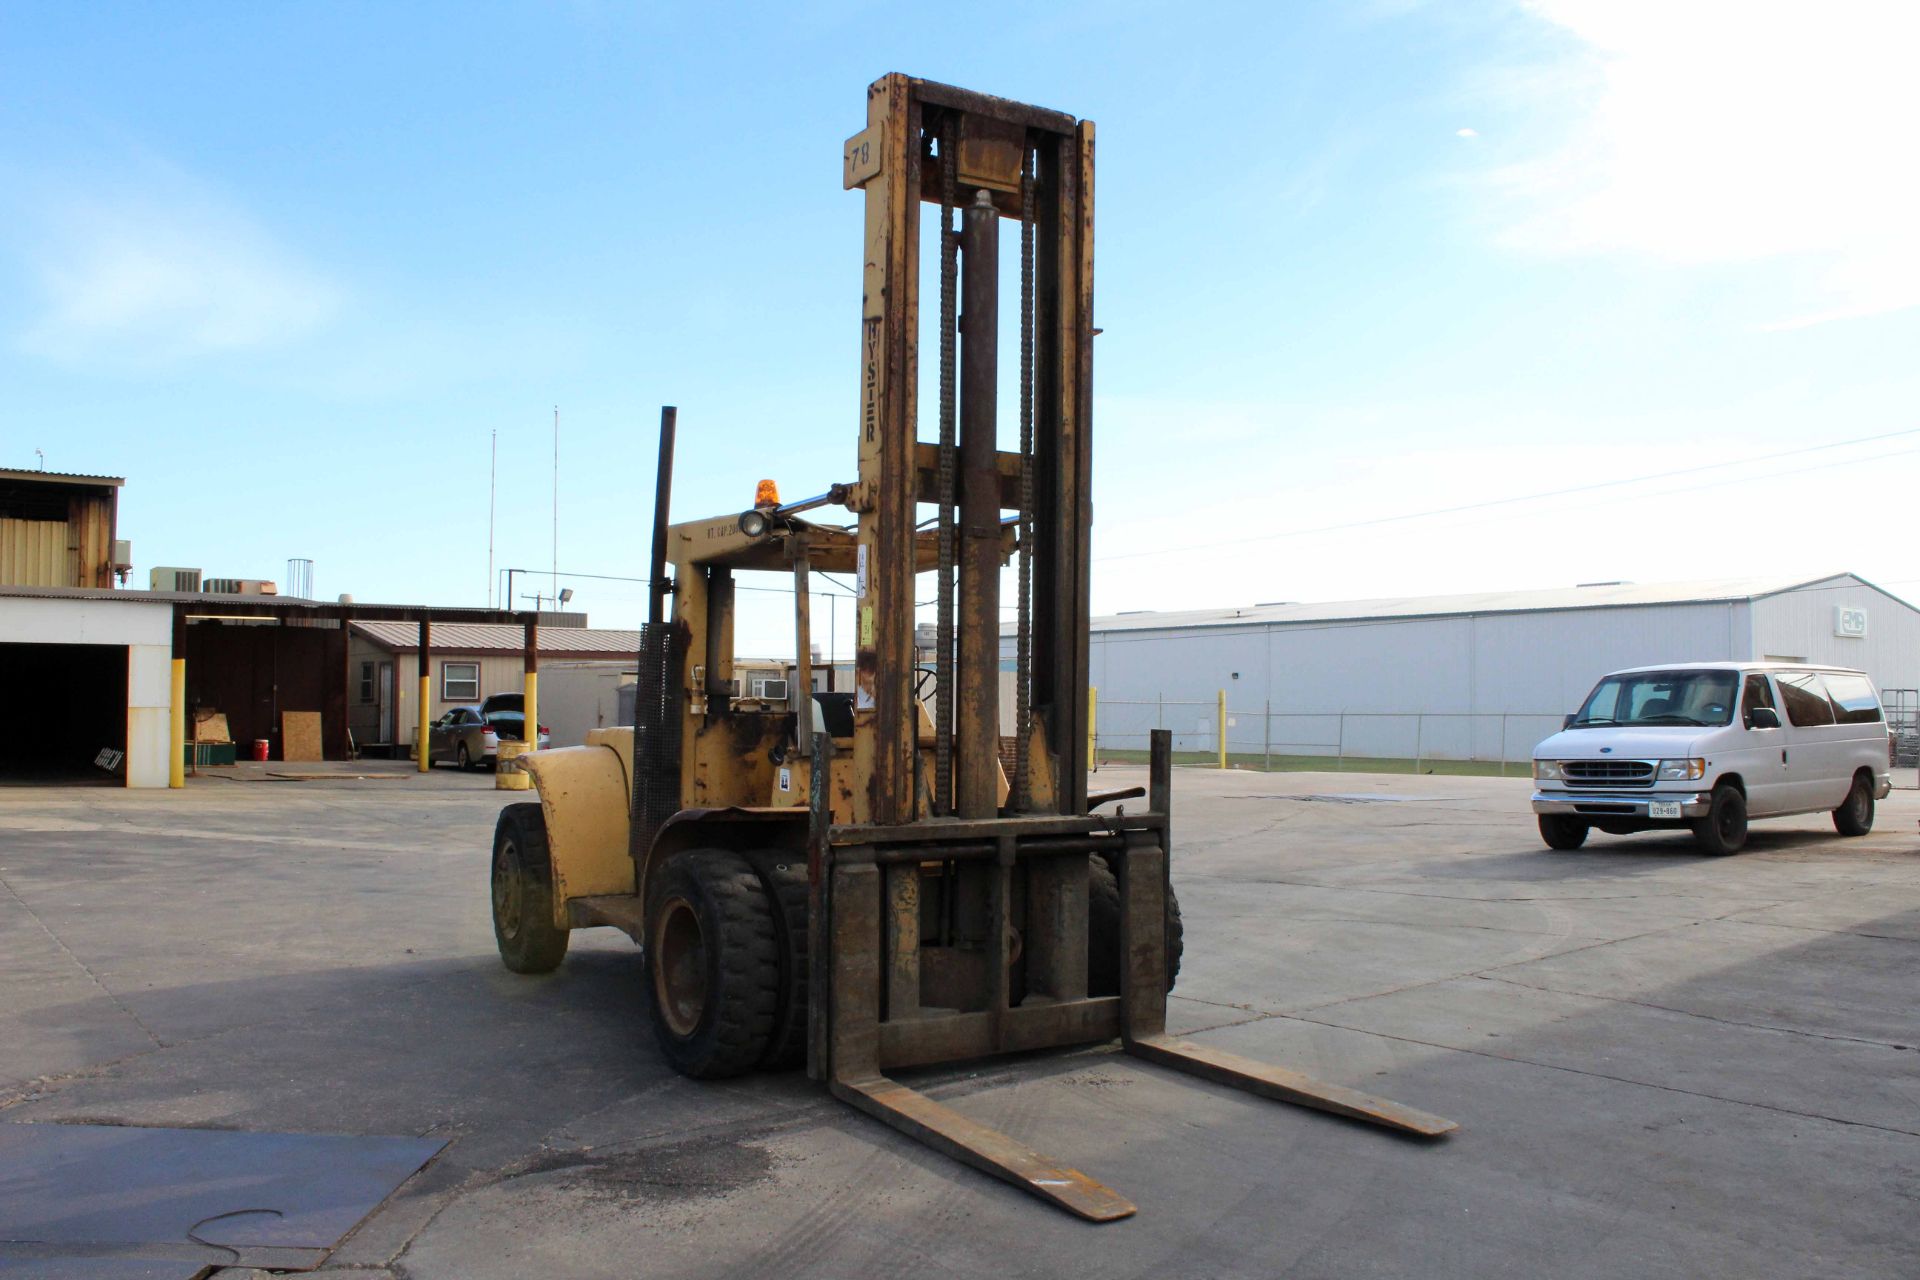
983 161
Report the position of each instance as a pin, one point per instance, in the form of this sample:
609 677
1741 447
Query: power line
1499 502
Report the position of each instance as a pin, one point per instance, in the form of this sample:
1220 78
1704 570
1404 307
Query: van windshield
1660 697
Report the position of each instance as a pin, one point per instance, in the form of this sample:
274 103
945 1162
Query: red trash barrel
259 748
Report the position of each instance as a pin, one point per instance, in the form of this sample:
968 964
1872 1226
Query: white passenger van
1705 746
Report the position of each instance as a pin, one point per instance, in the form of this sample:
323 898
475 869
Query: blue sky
286 268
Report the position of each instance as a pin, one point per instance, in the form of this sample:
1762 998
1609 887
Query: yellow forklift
887 876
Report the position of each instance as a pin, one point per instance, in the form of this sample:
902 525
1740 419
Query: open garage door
65 703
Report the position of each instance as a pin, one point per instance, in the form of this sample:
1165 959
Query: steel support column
424 717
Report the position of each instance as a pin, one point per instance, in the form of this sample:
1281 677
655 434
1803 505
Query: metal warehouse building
1462 677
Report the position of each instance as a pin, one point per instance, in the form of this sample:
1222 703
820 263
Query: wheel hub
680 967
507 894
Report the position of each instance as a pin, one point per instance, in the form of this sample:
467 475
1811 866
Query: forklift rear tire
523 925
712 963
1103 930
787 882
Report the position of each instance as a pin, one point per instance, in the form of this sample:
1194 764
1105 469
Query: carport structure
231 652
250 657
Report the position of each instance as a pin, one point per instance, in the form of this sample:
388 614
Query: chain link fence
1494 744
1225 735
1903 722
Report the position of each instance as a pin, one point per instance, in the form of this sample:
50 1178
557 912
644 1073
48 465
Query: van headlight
1547 771
1683 770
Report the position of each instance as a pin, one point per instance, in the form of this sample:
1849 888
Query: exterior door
382 693
1816 745
1762 756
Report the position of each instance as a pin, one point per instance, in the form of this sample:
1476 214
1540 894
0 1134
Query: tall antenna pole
556 502
493 471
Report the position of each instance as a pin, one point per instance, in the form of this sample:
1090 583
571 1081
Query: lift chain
943 495
1023 660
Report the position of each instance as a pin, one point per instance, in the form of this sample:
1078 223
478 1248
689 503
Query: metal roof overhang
195 604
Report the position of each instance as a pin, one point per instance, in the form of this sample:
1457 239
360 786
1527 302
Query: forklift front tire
712 963
523 925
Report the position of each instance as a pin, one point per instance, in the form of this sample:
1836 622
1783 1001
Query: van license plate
1663 809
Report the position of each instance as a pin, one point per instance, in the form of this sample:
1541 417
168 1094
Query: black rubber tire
1855 817
1724 829
1562 832
1103 930
787 1045
522 893
464 760
740 972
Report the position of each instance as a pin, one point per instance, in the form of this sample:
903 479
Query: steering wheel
925 679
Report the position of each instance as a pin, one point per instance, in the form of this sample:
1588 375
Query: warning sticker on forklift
786 779
860 572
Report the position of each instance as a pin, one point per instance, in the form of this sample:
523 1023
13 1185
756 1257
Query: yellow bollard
425 730
1223 728
1093 707
508 773
177 726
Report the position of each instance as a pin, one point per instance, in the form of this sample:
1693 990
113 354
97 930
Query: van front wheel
1855 817
1724 829
1562 832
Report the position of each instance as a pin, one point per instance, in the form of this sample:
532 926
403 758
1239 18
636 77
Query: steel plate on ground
212 1193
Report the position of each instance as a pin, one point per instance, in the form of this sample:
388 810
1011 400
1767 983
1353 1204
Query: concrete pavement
1663 1064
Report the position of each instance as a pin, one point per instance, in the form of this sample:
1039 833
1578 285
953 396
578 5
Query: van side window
1853 699
1758 694
1806 698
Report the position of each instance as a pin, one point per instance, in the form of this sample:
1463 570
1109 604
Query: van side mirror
1762 718
1566 721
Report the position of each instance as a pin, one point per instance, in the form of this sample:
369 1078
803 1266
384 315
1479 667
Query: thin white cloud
1731 131
154 267
1466 133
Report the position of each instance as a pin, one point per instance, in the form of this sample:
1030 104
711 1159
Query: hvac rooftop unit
240 587
166 579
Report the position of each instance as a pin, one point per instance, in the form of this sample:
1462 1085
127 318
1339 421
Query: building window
366 682
460 681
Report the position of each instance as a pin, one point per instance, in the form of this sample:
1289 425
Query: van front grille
1608 773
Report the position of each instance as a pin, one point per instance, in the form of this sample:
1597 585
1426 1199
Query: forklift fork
868 916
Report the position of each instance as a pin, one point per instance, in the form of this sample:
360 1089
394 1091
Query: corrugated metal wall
75 552
1800 625
577 697
34 553
1533 667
